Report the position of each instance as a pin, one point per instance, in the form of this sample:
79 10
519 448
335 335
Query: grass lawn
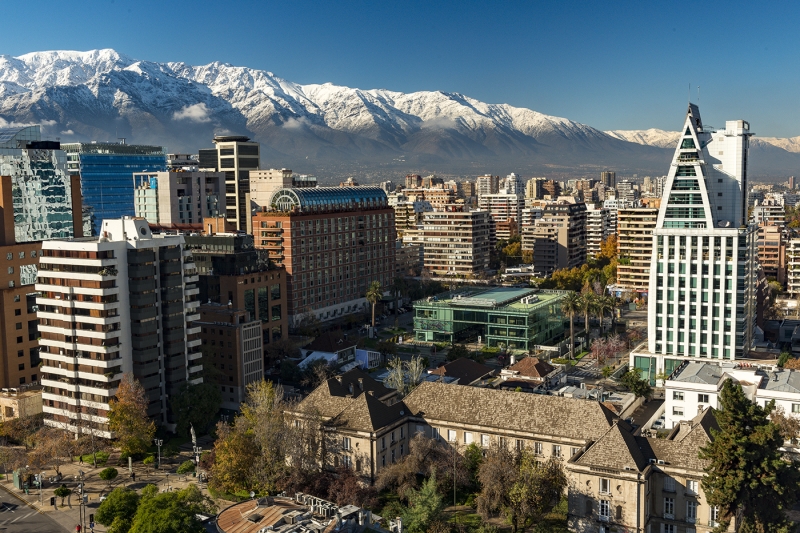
102 458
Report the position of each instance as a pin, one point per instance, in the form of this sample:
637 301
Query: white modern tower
702 280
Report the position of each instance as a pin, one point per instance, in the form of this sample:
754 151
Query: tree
608 248
108 474
747 478
788 425
457 352
374 295
784 358
120 503
235 451
587 300
425 505
169 512
186 467
604 304
127 417
638 386
405 376
386 348
792 364
346 488
62 492
196 405
53 448
570 305
21 430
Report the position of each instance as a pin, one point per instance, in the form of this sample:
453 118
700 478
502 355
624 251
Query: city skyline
613 68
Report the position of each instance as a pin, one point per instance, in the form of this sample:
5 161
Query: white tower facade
702 279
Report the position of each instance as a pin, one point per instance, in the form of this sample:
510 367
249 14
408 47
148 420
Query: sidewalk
94 488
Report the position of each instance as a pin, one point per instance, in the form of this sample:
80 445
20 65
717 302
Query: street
16 516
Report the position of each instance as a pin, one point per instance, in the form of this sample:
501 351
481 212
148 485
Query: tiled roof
360 381
617 448
704 373
367 413
532 367
784 381
511 411
466 370
330 342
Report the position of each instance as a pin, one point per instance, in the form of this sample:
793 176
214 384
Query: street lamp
197 450
159 442
41 482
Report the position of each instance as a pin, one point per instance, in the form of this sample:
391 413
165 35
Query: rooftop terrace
510 298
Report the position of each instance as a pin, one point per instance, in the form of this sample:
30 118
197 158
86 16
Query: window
702 398
605 485
618 513
588 508
677 395
485 441
556 450
537 448
345 443
573 451
605 510
669 508
467 437
677 411
796 407
346 461
420 429
520 445
451 435
691 486
392 456
669 484
668 528
21 366
713 515
691 512
435 433
383 443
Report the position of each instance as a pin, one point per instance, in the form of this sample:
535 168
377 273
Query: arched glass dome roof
319 199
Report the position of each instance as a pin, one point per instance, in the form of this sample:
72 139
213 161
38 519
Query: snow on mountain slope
101 94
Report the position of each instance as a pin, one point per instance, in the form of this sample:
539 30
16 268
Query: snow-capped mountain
103 95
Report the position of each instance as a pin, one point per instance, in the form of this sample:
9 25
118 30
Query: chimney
361 383
512 360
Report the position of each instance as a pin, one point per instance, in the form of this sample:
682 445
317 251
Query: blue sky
612 65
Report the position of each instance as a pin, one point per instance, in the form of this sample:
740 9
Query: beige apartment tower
635 246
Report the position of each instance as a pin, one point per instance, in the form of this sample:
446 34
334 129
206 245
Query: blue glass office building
106 171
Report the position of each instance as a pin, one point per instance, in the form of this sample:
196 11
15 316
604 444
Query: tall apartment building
587 191
105 171
264 183
552 188
39 200
503 207
702 278
793 268
635 248
233 272
456 241
178 199
235 156
333 243
770 211
627 191
469 192
534 189
772 252
121 303
558 238
609 179
413 181
513 184
438 198
487 184
600 224
232 340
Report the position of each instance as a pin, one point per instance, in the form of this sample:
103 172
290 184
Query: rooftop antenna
698 95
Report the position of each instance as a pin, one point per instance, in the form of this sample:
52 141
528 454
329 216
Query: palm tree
398 287
606 303
374 295
587 302
570 305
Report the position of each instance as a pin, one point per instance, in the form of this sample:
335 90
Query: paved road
17 517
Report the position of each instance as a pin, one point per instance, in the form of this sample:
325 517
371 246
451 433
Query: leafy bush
107 474
149 460
186 467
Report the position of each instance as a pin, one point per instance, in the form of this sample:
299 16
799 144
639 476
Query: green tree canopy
170 512
425 505
196 405
638 386
120 503
747 477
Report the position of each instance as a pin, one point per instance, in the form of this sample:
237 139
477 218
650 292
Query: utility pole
159 442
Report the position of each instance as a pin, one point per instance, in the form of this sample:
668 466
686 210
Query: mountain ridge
102 94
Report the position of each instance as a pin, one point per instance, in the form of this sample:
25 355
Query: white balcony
194 278
195 355
74 429
195 368
74 401
193 343
193 330
197 381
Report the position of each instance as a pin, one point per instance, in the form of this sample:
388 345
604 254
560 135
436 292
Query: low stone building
22 402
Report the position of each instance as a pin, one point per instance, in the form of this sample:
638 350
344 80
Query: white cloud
67 132
49 123
195 113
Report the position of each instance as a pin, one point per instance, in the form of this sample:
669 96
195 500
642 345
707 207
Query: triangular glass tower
702 279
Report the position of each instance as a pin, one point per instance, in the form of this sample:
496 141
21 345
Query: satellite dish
724 224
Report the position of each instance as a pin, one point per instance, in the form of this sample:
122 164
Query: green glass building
517 319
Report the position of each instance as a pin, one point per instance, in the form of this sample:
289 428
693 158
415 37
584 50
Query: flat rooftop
705 373
512 298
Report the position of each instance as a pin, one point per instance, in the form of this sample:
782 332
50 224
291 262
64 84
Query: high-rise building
792 183
503 208
487 184
456 241
263 183
609 179
388 186
333 242
178 199
38 200
772 252
599 226
793 268
558 238
702 275
233 348
627 191
534 189
233 272
770 211
469 192
413 181
105 170
635 247
121 303
185 162
586 190
552 188
513 185
236 156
